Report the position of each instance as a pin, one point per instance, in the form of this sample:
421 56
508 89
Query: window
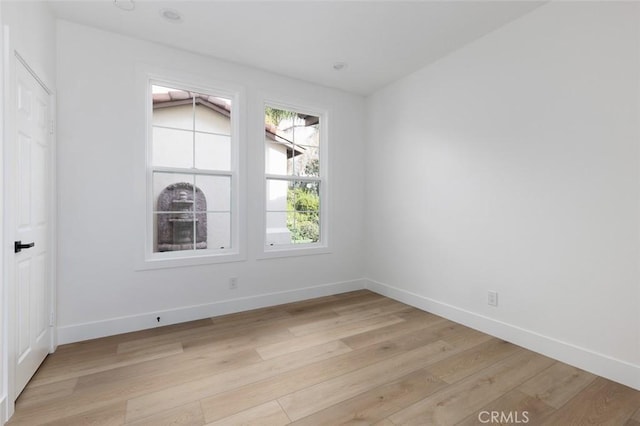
295 179
192 173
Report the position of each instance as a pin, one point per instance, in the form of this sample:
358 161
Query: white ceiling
380 40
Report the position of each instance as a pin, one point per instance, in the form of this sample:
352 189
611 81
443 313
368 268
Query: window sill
185 261
292 251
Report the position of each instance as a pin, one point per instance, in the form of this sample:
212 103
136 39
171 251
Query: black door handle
18 246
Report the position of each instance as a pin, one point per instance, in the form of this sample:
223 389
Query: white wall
101 129
32 34
513 165
30 28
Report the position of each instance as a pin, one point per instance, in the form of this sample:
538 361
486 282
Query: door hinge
51 127
51 319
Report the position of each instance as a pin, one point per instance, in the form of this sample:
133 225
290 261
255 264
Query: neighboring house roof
271 132
181 97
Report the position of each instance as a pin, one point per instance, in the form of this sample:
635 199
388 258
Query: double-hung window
295 175
192 173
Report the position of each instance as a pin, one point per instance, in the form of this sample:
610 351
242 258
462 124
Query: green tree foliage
274 116
303 221
312 168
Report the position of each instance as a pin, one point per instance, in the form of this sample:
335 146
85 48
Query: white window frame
155 260
322 246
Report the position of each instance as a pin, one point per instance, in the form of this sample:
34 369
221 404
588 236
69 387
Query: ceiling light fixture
127 5
340 66
171 15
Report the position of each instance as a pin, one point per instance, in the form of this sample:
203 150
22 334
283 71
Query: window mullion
293 178
193 130
194 225
177 170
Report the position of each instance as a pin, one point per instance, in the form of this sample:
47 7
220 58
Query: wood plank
331 302
108 415
252 335
103 389
514 407
378 403
322 395
269 413
163 373
34 395
602 402
89 349
315 398
210 334
414 320
558 384
378 309
634 420
296 344
304 307
367 305
175 396
470 361
69 371
467 396
187 415
385 422
227 403
250 317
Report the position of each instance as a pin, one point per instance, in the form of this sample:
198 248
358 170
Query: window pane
276 161
303 203
172 148
174 231
172 108
167 188
181 221
216 191
277 231
213 114
304 227
277 195
292 143
293 212
213 152
218 230
308 163
304 195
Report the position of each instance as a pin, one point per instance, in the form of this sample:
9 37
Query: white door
31 216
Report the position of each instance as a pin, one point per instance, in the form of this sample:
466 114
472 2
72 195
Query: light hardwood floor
356 358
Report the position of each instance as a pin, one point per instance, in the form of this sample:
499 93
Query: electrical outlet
233 283
492 298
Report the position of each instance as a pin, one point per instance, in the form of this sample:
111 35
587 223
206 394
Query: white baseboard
113 326
596 363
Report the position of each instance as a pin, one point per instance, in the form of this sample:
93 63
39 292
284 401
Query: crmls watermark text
502 417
